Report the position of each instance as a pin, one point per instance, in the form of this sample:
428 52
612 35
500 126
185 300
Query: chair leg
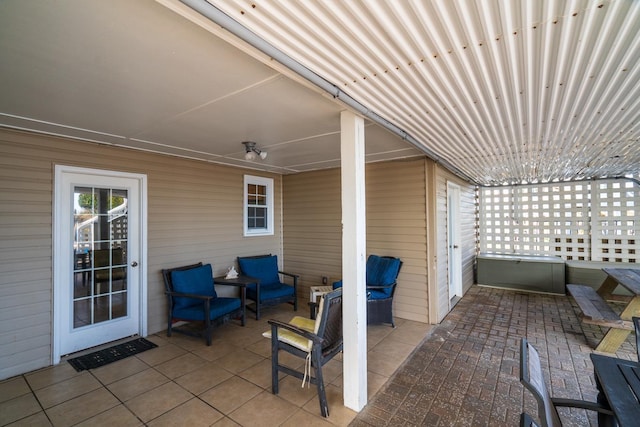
322 396
274 360
208 331
207 322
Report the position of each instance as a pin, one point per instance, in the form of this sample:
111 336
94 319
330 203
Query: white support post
354 242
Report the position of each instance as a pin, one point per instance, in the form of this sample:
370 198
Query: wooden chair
191 297
532 378
317 341
271 290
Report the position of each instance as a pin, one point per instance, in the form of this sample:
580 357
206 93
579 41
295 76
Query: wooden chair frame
325 345
206 307
291 299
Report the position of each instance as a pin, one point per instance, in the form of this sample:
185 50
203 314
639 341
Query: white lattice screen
588 220
615 226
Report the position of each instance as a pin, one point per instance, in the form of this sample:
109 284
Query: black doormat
111 354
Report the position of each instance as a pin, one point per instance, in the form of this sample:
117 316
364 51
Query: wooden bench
595 310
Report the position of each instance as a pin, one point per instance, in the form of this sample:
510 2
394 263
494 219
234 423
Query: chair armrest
276 324
295 280
294 276
582 404
289 274
179 294
381 286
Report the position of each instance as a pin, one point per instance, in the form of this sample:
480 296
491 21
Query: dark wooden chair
532 378
317 341
271 290
191 297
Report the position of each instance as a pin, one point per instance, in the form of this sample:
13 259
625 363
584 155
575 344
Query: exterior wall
194 214
468 213
396 226
312 233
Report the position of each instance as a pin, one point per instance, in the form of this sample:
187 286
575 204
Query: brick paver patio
466 371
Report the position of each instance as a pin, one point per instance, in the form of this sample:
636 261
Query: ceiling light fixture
252 151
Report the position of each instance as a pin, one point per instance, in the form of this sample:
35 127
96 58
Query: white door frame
60 242
454 259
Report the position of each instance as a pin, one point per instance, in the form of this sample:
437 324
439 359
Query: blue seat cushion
263 268
219 307
271 291
382 271
197 281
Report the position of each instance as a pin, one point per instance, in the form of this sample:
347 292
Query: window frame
268 184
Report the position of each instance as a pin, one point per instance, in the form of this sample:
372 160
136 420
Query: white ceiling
501 91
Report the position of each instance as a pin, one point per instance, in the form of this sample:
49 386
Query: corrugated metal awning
506 91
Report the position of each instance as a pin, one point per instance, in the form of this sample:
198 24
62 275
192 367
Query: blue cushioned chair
192 298
382 274
271 290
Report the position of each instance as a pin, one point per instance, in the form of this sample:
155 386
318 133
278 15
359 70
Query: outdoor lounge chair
271 290
191 297
317 341
382 275
531 377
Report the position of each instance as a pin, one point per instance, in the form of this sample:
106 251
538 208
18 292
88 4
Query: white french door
99 274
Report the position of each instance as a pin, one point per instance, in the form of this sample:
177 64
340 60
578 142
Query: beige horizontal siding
396 226
312 233
194 214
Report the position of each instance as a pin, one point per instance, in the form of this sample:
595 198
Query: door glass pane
100 255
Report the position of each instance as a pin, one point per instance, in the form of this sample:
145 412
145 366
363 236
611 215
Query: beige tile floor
184 382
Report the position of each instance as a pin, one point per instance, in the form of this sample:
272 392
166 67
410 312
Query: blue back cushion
197 281
263 268
382 271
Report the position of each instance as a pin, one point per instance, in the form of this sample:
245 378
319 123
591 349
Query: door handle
455 246
134 264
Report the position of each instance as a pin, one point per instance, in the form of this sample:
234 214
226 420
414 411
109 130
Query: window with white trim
258 206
